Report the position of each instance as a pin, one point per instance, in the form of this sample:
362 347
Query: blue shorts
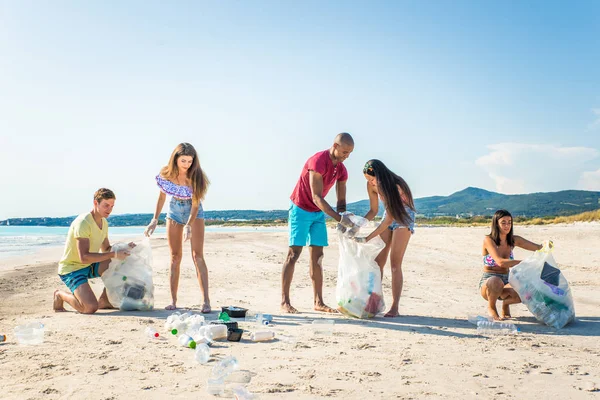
179 211
77 278
395 225
306 226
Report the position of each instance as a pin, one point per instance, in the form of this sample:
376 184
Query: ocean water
22 240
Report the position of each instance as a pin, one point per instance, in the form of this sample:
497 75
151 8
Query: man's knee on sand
293 254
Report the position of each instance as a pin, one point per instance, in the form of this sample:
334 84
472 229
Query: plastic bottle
474 319
287 339
202 354
496 328
241 393
252 316
186 341
224 368
151 332
216 387
261 336
215 332
323 326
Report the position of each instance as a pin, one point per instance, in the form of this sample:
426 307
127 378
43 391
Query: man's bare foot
392 313
205 309
104 304
494 314
325 308
287 308
171 307
505 312
58 302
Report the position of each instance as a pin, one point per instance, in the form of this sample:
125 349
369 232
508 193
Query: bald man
307 216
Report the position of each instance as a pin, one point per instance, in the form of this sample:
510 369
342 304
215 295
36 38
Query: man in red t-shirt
307 215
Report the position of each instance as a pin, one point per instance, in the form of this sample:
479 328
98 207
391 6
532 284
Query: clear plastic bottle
186 341
216 387
202 354
241 393
496 328
151 332
261 336
224 367
323 326
474 319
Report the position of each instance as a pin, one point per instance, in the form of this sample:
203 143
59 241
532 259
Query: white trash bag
359 291
543 288
128 282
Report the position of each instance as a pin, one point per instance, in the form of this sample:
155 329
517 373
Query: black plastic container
229 324
234 312
234 335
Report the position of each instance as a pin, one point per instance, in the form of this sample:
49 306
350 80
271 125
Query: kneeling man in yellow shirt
82 259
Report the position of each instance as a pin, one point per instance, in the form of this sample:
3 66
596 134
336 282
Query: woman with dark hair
498 258
186 183
398 222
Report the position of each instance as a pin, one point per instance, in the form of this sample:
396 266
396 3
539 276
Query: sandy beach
431 351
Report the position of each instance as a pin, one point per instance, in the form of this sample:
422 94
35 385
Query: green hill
468 202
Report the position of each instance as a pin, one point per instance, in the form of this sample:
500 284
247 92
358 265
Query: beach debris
262 336
323 326
496 328
151 333
543 288
30 334
474 319
202 354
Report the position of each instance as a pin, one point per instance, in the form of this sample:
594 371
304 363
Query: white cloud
525 168
590 180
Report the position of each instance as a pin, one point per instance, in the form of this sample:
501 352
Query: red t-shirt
321 163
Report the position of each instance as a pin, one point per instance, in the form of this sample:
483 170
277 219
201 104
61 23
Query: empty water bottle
224 367
186 341
202 354
496 328
151 332
216 387
261 336
241 393
474 319
323 326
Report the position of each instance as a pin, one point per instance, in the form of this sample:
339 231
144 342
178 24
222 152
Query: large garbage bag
128 282
543 289
359 291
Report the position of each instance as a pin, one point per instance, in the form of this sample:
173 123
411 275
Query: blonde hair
195 173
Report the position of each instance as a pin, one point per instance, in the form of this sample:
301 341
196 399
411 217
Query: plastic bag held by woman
543 288
128 282
359 291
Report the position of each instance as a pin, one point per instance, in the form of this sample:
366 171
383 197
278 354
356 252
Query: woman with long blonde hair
186 183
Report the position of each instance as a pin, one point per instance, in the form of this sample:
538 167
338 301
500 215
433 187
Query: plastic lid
192 344
174 331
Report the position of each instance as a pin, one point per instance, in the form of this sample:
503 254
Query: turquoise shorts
77 278
306 227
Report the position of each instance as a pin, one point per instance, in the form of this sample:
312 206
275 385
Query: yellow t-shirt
84 226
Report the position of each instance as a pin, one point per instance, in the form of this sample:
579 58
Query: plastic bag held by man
359 291
128 282
543 288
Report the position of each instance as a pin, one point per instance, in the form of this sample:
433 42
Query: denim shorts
395 225
306 227
77 278
179 211
487 275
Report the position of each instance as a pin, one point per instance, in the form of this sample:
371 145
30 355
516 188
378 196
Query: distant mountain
474 201
468 202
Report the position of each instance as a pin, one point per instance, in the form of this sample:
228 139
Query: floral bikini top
488 261
173 189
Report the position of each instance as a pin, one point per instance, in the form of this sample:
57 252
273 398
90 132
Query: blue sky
499 95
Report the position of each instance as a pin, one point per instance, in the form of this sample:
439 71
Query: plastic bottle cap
156 334
192 344
124 278
174 331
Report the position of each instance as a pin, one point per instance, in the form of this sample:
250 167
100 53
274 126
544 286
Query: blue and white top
173 189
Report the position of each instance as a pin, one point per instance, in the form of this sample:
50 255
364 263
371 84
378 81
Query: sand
431 351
